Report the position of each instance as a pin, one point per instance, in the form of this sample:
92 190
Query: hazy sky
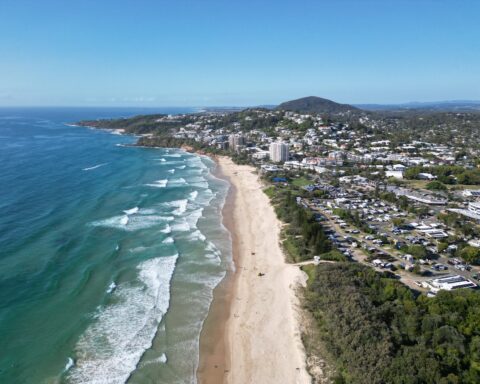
243 52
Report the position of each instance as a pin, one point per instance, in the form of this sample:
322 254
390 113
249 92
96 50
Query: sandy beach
252 334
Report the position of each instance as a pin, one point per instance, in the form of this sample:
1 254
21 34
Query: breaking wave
94 167
110 348
158 184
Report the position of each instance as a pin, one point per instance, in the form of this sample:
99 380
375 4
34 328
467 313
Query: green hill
314 104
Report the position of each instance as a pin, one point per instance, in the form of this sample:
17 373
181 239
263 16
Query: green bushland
302 236
333 255
378 331
436 186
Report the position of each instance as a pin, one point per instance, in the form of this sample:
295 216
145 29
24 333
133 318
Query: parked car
439 267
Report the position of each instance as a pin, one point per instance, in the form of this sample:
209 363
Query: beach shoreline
214 358
252 332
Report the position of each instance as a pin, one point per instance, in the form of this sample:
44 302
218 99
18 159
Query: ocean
108 253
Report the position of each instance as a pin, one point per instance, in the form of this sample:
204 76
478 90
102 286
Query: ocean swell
110 349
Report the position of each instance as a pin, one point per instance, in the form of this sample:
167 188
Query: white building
261 155
474 207
395 174
278 152
448 283
471 193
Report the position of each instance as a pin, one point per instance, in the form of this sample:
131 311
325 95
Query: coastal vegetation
142 124
379 331
303 236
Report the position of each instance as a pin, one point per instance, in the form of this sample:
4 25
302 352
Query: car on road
439 267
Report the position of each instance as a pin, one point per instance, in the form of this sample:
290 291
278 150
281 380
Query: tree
470 254
442 246
417 251
436 186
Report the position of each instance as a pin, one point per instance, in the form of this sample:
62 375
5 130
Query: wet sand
252 332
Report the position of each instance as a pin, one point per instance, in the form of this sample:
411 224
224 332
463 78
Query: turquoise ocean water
108 254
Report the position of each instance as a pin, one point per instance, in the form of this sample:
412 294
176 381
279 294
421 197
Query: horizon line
238 105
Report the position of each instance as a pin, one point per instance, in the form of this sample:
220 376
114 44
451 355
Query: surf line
94 167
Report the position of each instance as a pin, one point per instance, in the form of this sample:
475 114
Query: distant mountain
313 104
436 106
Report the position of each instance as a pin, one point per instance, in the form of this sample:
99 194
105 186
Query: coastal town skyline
232 192
187 53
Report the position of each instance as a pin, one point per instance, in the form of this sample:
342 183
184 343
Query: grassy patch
301 182
293 254
333 255
419 184
310 271
270 192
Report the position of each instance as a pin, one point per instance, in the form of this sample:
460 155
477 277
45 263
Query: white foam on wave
131 211
147 211
162 358
211 247
112 222
197 236
187 222
138 249
193 195
172 171
158 184
132 223
173 155
167 229
69 365
173 162
124 220
94 167
181 167
196 179
138 222
179 181
111 287
111 347
180 205
168 240
181 226
200 184
212 252
193 217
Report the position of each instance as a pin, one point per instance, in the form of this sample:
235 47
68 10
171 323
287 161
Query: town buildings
278 152
236 141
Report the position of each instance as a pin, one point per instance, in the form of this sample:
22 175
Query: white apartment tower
278 152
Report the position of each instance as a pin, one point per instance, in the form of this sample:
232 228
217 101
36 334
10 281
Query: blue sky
205 52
